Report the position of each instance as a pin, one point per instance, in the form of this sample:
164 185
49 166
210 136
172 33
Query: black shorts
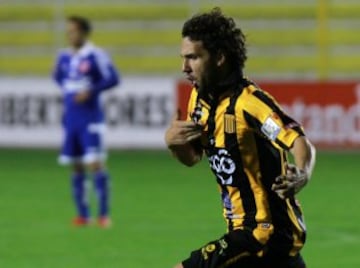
238 249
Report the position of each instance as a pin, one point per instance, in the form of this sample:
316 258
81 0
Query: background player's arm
109 75
182 139
109 78
57 74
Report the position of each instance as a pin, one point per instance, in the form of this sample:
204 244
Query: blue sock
101 180
79 194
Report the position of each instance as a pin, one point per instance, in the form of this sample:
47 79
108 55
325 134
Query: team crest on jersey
84 66
271 128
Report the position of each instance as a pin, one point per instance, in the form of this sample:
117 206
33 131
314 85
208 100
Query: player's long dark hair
218 33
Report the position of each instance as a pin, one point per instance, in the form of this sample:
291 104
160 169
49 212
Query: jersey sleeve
265 116
57 74
109 76
191 109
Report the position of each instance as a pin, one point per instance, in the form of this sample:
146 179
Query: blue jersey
90 68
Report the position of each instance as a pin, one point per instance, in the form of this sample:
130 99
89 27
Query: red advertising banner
329 111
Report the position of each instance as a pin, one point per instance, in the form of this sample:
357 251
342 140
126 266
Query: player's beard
207 87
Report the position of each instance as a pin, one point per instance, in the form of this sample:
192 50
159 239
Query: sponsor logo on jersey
223 166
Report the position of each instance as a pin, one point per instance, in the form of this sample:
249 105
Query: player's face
198 65
75 36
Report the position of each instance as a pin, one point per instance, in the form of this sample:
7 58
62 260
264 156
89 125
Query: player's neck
77 47
228 84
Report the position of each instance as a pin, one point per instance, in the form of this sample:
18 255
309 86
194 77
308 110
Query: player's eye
191 57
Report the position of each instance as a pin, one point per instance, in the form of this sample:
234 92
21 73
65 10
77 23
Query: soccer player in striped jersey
245 136
84 72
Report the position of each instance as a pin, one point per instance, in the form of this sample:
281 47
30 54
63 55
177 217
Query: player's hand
290 184
182 132
82 97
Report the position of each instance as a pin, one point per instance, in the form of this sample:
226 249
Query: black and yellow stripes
299 229
262 107
247 135
242 183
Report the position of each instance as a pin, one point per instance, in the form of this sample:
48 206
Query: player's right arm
182 138
57 73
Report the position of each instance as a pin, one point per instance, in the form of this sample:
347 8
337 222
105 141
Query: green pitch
161 211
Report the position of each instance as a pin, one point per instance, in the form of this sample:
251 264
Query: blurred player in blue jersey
83 72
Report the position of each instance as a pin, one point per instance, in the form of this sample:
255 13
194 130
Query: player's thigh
92 141
232 250
71 147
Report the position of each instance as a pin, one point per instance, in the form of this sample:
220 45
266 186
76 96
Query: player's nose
186 66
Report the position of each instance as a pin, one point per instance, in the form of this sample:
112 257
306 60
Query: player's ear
220 59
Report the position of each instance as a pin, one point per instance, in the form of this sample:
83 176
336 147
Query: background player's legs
71 154
94 157
101 184
79 194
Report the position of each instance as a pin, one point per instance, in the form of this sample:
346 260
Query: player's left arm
109 76
266 117
304 155
298 174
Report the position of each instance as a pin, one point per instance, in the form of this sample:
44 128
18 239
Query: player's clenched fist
182 132
82 96
290 184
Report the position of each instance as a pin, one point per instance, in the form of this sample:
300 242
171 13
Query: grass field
161 211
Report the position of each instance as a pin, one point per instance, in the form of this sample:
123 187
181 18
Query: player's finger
194 132
285 190
289 178
281 194
276 186
292 169
193 137
179 141
188 125
280 179
282 186
288 193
